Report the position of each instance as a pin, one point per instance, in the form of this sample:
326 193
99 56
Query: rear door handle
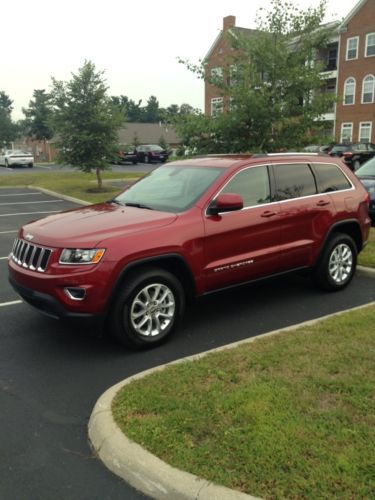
322 203
268 213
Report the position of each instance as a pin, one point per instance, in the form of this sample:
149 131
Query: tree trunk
99 177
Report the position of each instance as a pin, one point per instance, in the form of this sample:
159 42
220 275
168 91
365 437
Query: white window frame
372 77
354 88
367 44
346 125
347 48
368 126
215 108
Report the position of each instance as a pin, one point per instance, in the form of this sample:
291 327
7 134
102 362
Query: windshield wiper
114 201
137 205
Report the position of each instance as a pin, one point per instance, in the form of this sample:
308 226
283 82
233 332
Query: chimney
229 22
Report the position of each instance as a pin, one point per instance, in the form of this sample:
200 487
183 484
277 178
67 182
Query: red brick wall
361 24
220 56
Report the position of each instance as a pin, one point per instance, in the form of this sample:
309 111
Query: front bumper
47 291
48 305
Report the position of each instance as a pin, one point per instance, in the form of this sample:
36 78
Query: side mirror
225 202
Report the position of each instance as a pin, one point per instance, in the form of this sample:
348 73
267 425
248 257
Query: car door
243 245
304 214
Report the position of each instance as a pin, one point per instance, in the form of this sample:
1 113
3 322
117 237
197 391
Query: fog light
75 293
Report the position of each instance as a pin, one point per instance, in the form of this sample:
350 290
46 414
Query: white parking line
21 194
31 213
28 202
7 232
3 258
13 302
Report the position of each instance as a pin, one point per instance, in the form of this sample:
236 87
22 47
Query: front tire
147 309
337 264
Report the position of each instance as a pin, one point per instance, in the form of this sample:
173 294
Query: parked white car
13 157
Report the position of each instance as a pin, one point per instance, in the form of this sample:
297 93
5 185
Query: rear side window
252 184
294 181
330 178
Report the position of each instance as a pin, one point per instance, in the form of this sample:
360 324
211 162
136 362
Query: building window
370 45
217 74
349 91
368 87
346 132
365 131
217 106
352 48
332 59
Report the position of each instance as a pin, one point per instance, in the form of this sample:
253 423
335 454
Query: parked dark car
316 148
354 154
366 175
128 154
125 154
150 153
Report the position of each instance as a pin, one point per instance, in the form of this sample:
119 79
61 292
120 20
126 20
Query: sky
136 44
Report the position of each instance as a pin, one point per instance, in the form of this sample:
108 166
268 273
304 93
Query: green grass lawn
76 184
288 416
367 257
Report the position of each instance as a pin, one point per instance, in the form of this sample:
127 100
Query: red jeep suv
187 229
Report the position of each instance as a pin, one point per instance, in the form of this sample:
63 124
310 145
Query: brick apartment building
349 71
355 113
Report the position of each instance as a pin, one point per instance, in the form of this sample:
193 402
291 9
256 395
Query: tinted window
330 178
294 181
252 184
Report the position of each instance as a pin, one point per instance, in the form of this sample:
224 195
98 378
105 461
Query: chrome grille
30 256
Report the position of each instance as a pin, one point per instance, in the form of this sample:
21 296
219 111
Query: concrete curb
142 469
59 195
366 271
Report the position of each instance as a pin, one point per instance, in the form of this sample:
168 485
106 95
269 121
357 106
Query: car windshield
340 149
367 169
170 188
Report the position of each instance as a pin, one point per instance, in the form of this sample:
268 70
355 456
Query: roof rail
289 153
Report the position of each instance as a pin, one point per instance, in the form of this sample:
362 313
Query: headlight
81 255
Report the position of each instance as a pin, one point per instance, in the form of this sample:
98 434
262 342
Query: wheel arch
350 227
173 263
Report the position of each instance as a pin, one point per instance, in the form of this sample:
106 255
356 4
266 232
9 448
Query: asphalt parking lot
51 374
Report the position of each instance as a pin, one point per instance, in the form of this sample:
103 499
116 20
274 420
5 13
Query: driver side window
252 184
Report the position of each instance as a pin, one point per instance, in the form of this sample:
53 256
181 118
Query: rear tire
336 266
147 309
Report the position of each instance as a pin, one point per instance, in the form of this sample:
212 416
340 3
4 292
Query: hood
87 227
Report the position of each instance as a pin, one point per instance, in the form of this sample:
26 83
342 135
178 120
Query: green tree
152 110
85 120
38 115
8 129
271 84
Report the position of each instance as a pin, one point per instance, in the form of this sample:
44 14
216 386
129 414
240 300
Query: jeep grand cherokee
187 229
